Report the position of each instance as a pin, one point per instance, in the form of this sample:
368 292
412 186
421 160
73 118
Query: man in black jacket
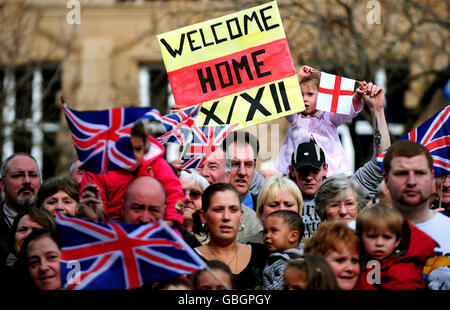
20 180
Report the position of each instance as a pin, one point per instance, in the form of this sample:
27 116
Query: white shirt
10 215
438 228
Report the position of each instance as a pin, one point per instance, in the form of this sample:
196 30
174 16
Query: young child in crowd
175 284
149 154
204 280
400 248
309 272
283 230
319 126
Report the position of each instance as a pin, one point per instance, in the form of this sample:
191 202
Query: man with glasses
442 203
241 149
19 181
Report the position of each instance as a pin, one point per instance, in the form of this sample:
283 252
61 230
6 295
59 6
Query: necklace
235 255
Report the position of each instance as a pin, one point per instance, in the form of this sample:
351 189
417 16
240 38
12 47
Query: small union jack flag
121 256
102 138
179 125
205 140
434 134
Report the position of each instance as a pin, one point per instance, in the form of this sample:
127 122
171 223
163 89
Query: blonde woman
277 193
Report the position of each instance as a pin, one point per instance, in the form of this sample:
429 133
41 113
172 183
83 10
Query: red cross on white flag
335 93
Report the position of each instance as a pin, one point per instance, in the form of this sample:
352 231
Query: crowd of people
312 226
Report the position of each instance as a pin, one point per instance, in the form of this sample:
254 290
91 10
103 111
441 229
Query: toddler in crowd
319 126
149 154
309 272
204 280
283 230
399 247
175 284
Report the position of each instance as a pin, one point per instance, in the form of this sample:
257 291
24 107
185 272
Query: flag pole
61 102
216 277
185 147
87 176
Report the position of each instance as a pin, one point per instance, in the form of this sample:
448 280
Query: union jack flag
102 138
121 256
434 134
179 125
205 140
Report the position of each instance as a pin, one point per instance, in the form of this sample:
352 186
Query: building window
154 88
30 115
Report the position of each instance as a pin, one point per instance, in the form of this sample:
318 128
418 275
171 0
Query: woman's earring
242 227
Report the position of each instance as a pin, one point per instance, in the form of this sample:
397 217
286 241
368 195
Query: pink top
323 127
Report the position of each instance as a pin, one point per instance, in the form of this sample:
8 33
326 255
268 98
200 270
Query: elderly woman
59 194
193 186
23 225
222 215
277 193
339 198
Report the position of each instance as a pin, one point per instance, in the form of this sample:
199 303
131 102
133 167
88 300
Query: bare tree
411 43
31 60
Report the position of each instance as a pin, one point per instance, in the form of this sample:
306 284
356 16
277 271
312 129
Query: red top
403 269
114 183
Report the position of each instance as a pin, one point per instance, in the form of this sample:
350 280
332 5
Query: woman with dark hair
38 266
59 194
222 215
23 225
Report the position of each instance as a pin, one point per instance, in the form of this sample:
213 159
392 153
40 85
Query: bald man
144 201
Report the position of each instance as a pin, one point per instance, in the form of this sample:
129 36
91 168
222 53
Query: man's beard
24 203
413 203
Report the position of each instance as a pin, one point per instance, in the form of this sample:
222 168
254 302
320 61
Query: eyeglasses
349 205
444 177
193 194
235 165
